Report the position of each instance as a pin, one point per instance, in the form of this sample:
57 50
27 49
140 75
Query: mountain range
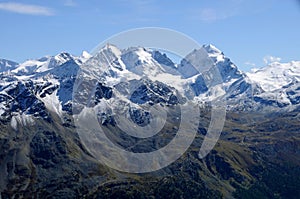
41 152
49 80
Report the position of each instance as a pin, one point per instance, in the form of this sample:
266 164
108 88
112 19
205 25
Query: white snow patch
143 55
21 120
212 94
114 49
171 80
52 103
85 54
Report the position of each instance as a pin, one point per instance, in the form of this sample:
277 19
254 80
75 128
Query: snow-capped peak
33 66
140 61
112 49
63 57
211 49
203 59
276 75
85 55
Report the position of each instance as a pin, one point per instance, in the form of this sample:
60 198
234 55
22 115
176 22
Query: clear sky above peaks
250 32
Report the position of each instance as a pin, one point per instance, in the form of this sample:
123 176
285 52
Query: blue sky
250 32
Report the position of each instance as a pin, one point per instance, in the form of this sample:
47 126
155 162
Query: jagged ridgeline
42 155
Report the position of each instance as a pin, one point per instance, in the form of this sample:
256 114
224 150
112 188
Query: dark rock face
240 87
293 96
183 70
154 93
162 59
68 108
270 102
47 91
65 89
106 118
199 86
139 116
22 98
102 92
228 70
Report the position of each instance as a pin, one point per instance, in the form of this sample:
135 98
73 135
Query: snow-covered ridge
36 87
276 75
34 66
